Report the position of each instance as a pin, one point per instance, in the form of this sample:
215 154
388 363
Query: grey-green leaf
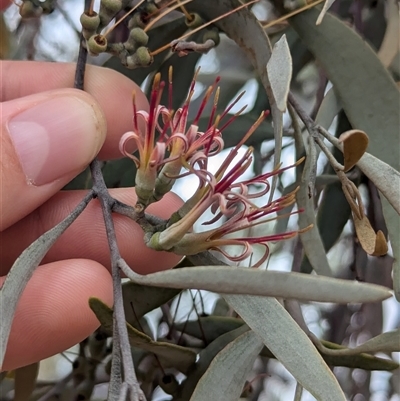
172 355
230 280
212 327
206 356
311 239
385 342
141 299
23 268
279 69
385 177
364 87
328 110
290 345
226 375
367 93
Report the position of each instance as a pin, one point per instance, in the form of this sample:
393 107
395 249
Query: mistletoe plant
176 138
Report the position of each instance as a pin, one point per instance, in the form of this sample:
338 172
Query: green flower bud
97 44
136 21
195 22
137 38
141 58
212 34
108 10
90 24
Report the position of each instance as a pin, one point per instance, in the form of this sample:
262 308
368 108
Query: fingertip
53 313
46 140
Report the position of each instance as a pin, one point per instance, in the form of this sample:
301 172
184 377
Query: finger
4 4
112 90
46 140
53 313
86 237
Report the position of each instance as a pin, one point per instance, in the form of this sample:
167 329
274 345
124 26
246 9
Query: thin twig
107 202
57 389
121 346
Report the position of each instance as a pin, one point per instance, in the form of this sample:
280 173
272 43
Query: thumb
46 140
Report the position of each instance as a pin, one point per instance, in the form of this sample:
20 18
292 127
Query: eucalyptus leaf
206 356
361 82
290 345
171 355
328 110
333 213
230 280
211 327
392 220
385 342
141 299
279 69
391 44
385 177
227 373
311 239
356 361
23 269
367 93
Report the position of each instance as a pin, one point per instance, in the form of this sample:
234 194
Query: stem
121 346
120 337
315 132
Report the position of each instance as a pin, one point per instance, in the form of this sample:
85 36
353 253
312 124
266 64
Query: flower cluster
179 145
166 131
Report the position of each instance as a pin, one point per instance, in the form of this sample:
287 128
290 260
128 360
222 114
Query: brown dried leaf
355 143
373 244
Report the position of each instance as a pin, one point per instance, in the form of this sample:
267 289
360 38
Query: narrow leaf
329 109
172 355
279 70
227 373
206 356
141 299
290 345
385 342
311 239
364 87
23 268
367 92
385 177
390 46
212 327
392 220
230 280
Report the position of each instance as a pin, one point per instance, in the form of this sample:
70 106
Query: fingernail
56 137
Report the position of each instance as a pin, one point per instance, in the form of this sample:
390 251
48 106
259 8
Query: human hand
49 134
